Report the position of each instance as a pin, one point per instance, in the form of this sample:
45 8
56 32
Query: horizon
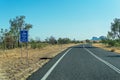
74 19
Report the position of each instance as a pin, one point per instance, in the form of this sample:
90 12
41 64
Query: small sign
24 36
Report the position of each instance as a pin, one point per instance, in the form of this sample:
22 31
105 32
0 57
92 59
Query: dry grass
106 47
13 67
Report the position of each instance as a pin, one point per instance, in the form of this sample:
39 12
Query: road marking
52 68
105 62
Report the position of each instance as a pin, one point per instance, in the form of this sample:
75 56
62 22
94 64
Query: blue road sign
24 36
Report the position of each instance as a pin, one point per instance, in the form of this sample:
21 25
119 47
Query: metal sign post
24 39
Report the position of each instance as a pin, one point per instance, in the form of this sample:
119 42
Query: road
82 62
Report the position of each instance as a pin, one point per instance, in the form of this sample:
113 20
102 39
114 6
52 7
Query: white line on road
52 68
105 62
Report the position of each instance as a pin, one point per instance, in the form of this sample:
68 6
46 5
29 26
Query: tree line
9 38
51 41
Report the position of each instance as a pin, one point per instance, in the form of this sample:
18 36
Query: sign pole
21 53
24 39
27 54
21 50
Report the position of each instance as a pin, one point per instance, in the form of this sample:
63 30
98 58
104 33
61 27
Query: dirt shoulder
13 67
106 47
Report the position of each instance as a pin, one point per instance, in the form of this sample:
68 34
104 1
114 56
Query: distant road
82 62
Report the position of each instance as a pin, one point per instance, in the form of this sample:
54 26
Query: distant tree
75 41
9 41
60 41
32 40
115 29
52 40
38 40
81 41
87 41
1 35
105 40
64 40
1 38
47 40
16 25
67 40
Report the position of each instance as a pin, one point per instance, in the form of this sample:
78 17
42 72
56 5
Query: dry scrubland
106 47
13 67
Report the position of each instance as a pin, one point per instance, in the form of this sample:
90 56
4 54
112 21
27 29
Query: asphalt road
82 62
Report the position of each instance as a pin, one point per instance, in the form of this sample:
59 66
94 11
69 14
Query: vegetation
51 40
37 44
113 37
9 39
64 40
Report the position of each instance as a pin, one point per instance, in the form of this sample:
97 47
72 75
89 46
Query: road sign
24 36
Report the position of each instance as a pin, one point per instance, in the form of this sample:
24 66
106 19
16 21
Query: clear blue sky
79 19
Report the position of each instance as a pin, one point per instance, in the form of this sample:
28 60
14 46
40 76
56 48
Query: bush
64 40
38 45
111 43
117 44
52 40
112 50
33 46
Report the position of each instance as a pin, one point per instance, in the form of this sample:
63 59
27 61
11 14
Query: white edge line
52 68
105 62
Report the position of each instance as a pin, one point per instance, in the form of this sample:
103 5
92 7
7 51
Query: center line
105 62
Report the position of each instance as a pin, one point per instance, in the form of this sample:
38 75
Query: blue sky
79 19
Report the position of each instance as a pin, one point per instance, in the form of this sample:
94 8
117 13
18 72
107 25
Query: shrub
112 50
33 46
111 43
117 44
38 45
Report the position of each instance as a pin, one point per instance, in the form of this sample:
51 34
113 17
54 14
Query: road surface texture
82 62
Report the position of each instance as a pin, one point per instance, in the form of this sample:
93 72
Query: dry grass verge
111 49
13 67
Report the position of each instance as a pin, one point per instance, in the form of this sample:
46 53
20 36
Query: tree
38 40
52 40
60 41
87 41
47 40
16 25
1 35
9 41
1 38
115 29
64 40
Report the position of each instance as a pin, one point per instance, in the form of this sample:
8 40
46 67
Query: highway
82 62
